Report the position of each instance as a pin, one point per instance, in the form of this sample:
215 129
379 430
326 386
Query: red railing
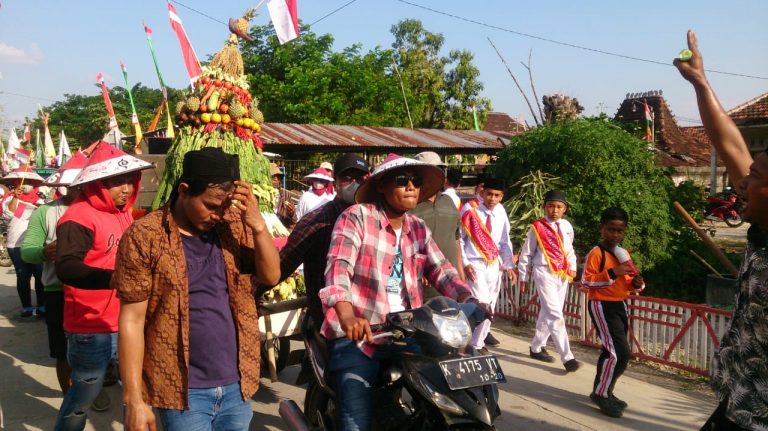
673 333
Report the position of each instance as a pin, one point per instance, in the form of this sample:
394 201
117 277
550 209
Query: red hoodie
88 235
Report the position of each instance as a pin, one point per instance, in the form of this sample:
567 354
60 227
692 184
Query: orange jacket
598 280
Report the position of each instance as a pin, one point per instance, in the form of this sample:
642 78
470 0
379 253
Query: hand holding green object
685 55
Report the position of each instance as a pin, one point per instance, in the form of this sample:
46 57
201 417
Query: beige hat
430 157
432 175
327 166
274 170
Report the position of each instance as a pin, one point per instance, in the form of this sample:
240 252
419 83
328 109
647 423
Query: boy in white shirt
486 250
547 257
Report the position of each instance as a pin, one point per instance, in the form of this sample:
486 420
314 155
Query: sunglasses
403 180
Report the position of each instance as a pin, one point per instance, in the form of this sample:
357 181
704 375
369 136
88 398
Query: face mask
62 190
26 188
318 185
347 193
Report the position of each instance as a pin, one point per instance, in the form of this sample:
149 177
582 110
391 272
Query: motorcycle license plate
472 371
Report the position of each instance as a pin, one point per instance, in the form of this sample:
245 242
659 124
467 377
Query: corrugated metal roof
379 138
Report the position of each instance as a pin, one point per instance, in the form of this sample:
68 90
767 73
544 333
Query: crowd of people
174 290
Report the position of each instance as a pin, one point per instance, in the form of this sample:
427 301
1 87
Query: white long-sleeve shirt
499 234
531 255
309 201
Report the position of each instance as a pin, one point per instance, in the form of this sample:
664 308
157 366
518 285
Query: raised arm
720 128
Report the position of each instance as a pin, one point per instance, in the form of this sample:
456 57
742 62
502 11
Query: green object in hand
685 55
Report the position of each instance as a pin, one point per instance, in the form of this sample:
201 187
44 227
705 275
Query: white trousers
485 288
552 291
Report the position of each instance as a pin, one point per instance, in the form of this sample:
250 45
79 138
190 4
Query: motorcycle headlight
454 331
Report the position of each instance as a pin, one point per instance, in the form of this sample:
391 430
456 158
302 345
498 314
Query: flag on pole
39 154
190 58
105 93
285 18
13 142
134 117
64 152
648 121
27 134
50 150
22 155
169 125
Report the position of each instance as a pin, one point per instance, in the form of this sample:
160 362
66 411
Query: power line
26 95
570 45
332 12
200 13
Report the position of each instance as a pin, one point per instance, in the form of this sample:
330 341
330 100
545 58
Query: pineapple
257 116
193 103
179 107
236 110
239 26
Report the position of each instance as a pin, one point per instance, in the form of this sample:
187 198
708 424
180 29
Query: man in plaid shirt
378 254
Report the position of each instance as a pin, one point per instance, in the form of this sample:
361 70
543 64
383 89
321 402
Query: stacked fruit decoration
219 111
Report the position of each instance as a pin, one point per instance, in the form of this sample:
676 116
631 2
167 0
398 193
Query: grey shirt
443 220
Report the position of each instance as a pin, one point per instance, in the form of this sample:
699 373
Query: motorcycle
725 207
447 385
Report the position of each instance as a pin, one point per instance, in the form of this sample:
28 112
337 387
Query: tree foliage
84 119
599 166
306 81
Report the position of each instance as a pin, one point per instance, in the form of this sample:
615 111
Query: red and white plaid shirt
360 261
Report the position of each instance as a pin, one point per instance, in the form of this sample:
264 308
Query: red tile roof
751 112
502 124
677 146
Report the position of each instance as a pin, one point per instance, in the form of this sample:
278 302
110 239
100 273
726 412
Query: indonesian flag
190 58
22 155
648 121
27 134
285 18
105 93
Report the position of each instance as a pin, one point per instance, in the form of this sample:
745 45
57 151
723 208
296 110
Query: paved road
536 397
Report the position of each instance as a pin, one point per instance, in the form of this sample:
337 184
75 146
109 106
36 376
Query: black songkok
493 183
211 165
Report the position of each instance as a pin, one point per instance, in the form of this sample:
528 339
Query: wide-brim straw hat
68 171
107 161
319 174
25 173
433 176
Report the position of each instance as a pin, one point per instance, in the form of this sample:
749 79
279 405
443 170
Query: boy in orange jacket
610 277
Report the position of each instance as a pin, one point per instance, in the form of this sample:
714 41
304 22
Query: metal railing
673 333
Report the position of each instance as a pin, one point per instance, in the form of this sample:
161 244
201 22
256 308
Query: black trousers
612 324
718 421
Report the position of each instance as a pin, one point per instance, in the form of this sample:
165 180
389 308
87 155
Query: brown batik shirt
151 267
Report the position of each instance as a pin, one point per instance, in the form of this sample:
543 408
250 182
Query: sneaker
490 340
102 402
483 351
28 312
572 365
542 356
40 311
607 406
623 404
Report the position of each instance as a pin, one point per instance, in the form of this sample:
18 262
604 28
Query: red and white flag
105 93
285 18
190 58
648 122
13 142
27 134
22 155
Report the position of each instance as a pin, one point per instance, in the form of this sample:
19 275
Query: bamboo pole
705 263
729 266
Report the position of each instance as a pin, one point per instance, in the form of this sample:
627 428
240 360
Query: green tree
599 166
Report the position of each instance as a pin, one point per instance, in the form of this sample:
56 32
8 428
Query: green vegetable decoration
220 112
685 55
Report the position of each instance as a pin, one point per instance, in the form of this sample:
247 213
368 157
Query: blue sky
55 47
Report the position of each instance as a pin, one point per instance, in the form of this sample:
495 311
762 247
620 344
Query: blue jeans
88 355
24 272
221 408
355 377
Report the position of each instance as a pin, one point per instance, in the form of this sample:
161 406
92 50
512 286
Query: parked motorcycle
724 207
446 386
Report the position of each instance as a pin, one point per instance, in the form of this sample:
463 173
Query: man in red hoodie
88 235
